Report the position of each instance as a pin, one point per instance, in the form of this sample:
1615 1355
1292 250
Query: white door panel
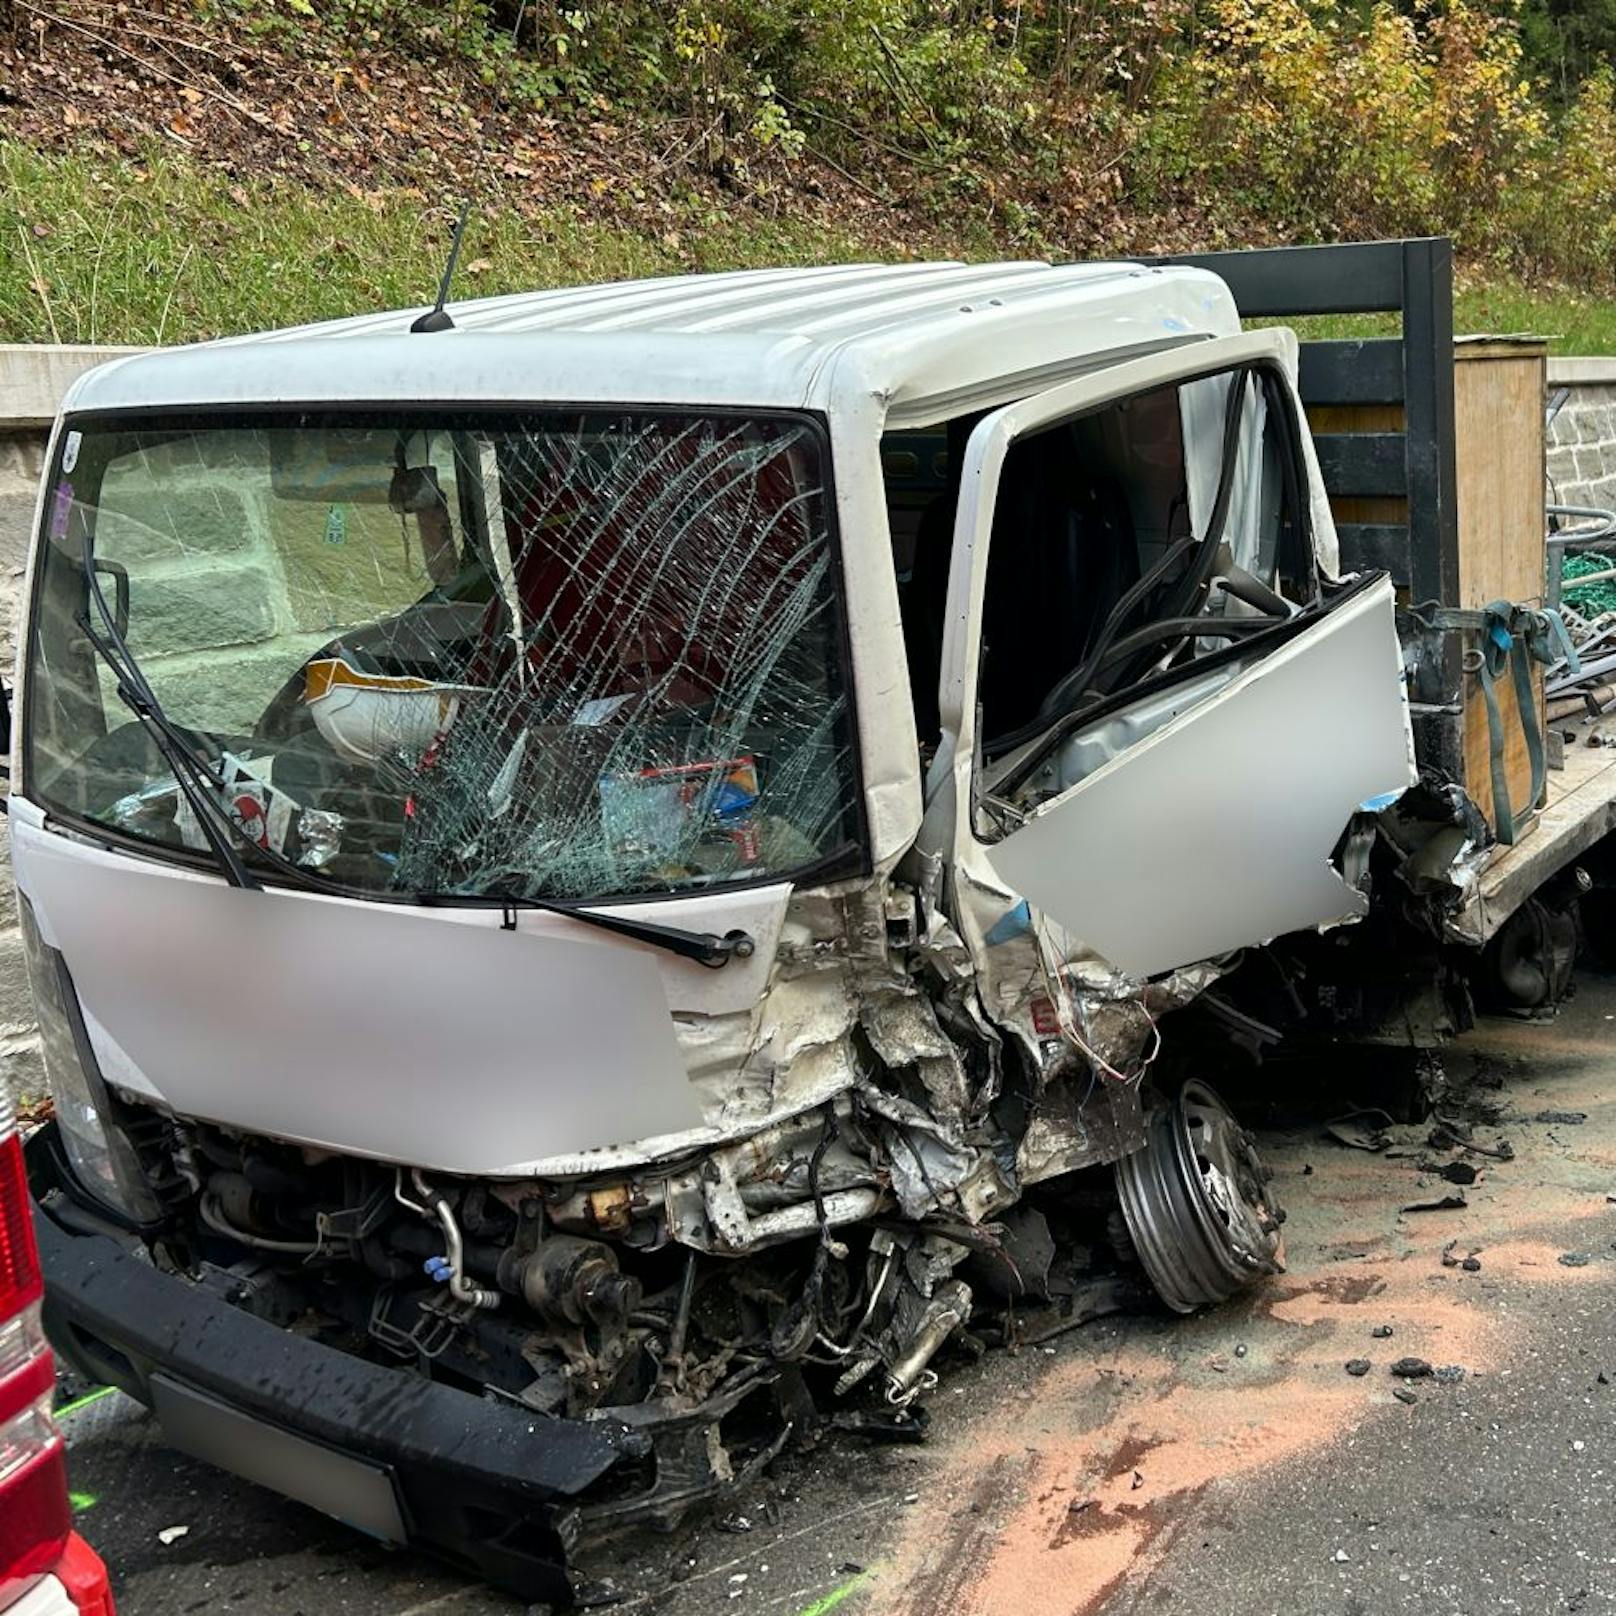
1216 831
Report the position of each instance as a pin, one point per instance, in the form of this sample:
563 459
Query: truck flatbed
1580 809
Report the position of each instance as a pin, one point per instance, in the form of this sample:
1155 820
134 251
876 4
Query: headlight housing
100 1156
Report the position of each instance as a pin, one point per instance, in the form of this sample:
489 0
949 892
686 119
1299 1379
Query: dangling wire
1065 1016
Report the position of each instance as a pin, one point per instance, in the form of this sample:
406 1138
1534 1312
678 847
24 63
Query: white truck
602 870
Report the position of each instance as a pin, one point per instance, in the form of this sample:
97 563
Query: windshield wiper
189 771
195 778
704 947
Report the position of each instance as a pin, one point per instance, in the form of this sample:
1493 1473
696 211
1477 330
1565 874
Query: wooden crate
1498 397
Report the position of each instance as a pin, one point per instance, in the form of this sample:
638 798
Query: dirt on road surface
1227 1462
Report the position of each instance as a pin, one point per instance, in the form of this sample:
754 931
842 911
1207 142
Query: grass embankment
117 251
97 250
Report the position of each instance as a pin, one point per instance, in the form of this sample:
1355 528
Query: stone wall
1582 439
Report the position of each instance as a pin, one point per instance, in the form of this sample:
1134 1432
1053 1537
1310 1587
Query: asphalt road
1221 1464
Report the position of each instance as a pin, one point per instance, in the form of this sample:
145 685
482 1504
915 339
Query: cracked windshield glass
558 656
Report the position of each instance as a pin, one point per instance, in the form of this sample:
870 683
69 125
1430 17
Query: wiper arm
704 947
137 695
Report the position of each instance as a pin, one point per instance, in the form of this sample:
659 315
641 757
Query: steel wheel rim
1197 1206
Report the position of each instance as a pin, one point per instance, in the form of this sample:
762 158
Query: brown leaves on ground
320 109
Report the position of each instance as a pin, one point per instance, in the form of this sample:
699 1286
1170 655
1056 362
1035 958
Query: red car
46 1568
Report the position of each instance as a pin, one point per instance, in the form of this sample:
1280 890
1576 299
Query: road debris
1404 1395
1448 1375
171 1534
1448 1134
1359 1130
1566 1118
1411 1368
1382 1332
1575 1259
1358 1366
1445 1203
1471 1265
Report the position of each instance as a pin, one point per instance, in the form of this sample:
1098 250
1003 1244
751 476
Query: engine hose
220 1224
437 1207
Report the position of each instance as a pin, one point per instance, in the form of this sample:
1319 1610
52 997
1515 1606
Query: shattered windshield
558 655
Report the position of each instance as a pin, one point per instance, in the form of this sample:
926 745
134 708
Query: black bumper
493 1488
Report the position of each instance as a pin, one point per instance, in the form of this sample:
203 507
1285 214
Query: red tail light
19 1262
36 1523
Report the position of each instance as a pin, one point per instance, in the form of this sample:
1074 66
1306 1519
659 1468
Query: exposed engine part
948 1309
571 1281
453 1266
213 1214
1196 1198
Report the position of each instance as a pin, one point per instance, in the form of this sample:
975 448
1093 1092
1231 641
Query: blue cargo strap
1512 637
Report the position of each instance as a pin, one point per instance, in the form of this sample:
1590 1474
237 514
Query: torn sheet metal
1216 831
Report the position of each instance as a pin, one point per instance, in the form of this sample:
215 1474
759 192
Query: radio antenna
437 318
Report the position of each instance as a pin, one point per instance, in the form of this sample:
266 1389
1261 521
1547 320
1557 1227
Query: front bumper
500 1490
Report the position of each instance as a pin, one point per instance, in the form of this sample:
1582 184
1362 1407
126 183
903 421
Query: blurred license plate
360 1494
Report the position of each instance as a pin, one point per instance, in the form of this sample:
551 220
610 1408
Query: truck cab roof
922 341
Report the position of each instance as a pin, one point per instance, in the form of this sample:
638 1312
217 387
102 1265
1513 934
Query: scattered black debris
850 1568
1404 1395
1358 1366
1078 1505
896 1425
1574 1259
1448 1258
1471 1265
1307 1169
1411 1368
1448 1374
1138 1482
1448 1134
595 1594
1602 1378
1566 1117
1382 1332
1360 1130
734 1522
1454 1172
1446 1203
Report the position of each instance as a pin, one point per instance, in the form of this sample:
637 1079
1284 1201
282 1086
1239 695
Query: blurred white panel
1216 831
432 1038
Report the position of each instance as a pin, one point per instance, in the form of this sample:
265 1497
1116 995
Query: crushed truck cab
598 880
